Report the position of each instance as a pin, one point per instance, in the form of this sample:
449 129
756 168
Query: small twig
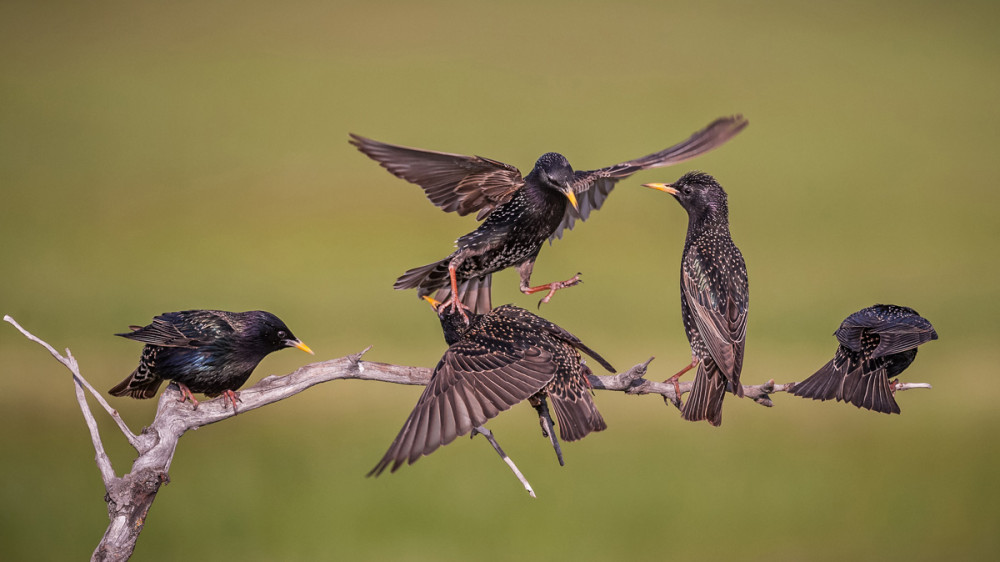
910 385
513 467
70 362
101 457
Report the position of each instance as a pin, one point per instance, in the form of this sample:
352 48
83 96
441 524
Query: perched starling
876 344
520 213
715 296
495 361
208 351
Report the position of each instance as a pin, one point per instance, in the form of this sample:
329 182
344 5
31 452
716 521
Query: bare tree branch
130 496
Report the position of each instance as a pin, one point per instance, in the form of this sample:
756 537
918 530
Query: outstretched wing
191 328
593 187
472 383
453 182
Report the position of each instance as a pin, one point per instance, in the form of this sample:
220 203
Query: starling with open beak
520 213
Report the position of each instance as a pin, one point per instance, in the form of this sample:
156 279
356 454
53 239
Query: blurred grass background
157 157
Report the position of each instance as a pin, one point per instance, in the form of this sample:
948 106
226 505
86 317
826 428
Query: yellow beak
665 187
299 345
434 303
571 195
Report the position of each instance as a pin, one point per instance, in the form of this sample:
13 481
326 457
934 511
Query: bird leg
186 394
454 302
677 387
545 420
232 397
525 270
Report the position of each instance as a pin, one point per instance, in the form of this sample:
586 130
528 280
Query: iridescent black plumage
495 361
715 295
876 344
520 213
207 351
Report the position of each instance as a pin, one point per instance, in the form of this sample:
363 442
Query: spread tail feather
426 279
868 387
705 400
473 293
576 412
824 384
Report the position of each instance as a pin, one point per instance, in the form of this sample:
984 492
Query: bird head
453 324
270 334
700 195
554 172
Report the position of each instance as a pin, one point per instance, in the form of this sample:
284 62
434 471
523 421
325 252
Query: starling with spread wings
494 361
518 213
876 344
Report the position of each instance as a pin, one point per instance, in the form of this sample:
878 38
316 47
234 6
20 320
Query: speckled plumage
715 295
520 213
495 361
876 344
207 351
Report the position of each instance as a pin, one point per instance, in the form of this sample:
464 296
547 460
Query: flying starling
495 361
520 213
876 344
715 296
208 351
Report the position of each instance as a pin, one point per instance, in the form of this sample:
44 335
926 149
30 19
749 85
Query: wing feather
454 182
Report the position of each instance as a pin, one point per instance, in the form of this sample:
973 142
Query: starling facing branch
715 296
495 361
876 344
211 352
520 213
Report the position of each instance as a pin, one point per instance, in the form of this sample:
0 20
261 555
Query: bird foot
233 397
676 400
553 287
456 304
894 386
187 395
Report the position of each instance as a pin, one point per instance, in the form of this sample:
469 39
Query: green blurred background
157 157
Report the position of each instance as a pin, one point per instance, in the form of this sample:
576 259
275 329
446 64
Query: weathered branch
130 496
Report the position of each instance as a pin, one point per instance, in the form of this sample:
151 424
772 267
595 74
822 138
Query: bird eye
687 191
282 334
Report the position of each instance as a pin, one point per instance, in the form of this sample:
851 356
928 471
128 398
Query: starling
208 351
876 344
520 213
715 296
494 361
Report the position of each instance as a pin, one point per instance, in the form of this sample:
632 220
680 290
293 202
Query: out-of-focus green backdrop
164 156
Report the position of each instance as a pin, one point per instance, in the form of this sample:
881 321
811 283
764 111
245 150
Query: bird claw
556 285
233 397
456 304
187 395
